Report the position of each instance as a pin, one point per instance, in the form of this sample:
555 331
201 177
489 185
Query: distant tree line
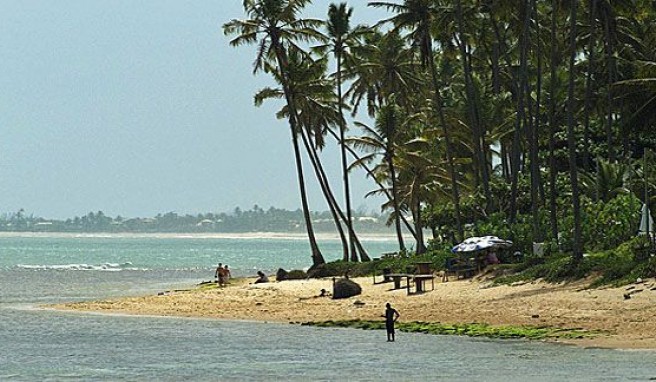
254 220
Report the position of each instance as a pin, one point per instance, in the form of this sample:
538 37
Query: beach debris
535 316
358 303
627 296
345 288
631 287
638 280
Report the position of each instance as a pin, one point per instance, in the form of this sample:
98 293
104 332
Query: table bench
398 277
420 281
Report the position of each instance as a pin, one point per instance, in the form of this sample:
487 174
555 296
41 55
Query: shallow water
49 345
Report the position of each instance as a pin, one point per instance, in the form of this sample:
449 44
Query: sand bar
629 323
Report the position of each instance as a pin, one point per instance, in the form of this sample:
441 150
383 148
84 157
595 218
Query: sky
136 108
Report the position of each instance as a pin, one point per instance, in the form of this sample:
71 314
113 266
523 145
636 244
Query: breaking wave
107 267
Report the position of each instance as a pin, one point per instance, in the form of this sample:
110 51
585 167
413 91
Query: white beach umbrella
478 243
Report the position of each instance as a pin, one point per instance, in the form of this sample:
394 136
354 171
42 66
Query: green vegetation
463 329
533 121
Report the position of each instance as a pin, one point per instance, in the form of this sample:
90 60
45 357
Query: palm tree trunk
382 187
588 87
421 247
553 213
535 166
345 174
477 134
395 202
325 189
609 98
521 109
437 99
577 253
317 257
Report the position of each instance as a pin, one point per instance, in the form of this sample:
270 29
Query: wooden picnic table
398 277
420 281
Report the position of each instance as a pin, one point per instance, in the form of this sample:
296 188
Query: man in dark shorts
391 315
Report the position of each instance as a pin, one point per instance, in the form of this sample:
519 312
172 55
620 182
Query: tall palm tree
418 16
275 26
341 36
317 106
577 253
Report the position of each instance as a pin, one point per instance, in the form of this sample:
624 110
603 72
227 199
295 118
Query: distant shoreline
212 235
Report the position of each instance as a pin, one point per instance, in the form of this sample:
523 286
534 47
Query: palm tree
317 107
380 66
382 141
577 253
418 16
341 36
274 26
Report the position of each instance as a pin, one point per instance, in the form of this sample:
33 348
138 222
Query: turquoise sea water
37 345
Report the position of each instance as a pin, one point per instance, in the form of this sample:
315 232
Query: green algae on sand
464 329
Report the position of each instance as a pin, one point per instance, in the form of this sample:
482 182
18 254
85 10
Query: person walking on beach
226 274
220 275
391 315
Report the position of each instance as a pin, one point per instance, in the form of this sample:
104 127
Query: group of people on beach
222 275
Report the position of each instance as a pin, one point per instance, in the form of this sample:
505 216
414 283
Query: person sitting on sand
492 258
261 278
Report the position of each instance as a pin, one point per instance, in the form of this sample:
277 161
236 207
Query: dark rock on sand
318 272
345 288
282 275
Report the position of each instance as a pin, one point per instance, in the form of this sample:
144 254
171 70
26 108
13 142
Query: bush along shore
465 329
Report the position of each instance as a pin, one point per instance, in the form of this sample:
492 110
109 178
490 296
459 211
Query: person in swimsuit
391 315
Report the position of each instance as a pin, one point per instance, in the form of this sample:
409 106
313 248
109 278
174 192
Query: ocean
38 344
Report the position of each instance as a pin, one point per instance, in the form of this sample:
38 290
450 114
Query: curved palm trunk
421 247
395 202
317 257
345 174
327 192
382 186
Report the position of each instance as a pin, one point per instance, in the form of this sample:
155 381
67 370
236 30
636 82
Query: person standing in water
391 315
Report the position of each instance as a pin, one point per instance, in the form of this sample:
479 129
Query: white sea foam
108 267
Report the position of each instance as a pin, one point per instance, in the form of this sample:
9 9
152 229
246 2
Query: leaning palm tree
316 105
381 141
275 27
340 37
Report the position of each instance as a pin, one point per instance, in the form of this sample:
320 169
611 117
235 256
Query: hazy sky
140 107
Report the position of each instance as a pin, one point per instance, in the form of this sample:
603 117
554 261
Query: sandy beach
626 323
